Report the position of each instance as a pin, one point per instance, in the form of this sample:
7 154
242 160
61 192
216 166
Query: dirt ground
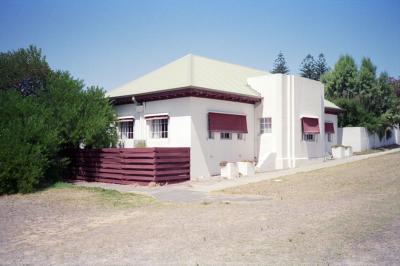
348 214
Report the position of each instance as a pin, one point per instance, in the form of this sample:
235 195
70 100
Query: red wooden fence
131 165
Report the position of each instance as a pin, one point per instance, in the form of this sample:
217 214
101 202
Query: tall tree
341 82
369 101
395 83
280 65
366 76
24 70
380 97
321 67
307 67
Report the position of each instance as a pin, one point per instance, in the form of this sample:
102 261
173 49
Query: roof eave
189 91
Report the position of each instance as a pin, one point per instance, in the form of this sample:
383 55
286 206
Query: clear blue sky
108 43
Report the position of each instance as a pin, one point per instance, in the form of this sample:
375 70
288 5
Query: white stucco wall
286 99
188 127
332 119
178 126
179 123
206 154
360 139
267 145
308 102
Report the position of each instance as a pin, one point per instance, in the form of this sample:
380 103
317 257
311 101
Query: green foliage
379 97
24 70
37 128
368 101
366 77
307 68
395 83
354 114
313 69
26 143
341 82
280 65
321 67
80 116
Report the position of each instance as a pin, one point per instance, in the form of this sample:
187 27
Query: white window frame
126 129
265 125
226 135
159 128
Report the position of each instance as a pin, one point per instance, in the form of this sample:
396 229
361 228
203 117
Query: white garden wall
360 139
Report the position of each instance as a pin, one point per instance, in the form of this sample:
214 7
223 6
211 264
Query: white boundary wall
360 139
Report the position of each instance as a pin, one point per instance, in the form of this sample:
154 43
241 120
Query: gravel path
349 214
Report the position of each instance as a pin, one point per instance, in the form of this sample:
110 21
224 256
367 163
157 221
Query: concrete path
199 190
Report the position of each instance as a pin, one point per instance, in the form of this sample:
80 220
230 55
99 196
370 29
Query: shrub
26 143
45 113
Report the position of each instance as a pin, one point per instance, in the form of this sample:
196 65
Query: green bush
26 144
45 113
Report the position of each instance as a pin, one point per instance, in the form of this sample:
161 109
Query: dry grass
97 196
348 214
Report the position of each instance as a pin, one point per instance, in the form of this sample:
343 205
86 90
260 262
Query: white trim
156 116
309 116
125 118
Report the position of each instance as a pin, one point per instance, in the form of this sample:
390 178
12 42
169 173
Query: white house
227 112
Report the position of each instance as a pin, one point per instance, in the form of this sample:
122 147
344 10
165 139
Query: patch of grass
108 197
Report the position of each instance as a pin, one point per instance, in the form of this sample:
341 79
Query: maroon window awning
218 122
329 128
310 125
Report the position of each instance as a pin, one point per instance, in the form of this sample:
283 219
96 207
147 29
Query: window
159 128
265 125
226 135
240 136
210 135
329 137
309 137
126 129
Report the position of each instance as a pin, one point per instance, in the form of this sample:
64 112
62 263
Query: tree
307 67
280 65
366 78
354 113
24 70
341 82
321 67
395 83
368 101
41 121
382 97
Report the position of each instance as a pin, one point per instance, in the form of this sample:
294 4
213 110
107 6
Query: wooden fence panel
131 165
